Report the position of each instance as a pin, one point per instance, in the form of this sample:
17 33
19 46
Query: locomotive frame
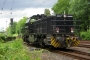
56 31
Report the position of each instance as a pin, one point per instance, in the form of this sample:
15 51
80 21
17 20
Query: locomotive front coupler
60 37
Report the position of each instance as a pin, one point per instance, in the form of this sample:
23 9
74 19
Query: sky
21 8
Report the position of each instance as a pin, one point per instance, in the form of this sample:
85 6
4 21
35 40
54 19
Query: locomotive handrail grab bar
65 20
41 28
64 25
64 29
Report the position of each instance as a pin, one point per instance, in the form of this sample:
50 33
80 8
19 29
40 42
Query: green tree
16 27
21 24
13 28
81 10
61 6
47 12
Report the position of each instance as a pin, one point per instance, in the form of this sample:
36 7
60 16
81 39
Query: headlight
57 30
72 29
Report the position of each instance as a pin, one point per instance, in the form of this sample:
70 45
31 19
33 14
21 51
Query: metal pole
6 24
6 28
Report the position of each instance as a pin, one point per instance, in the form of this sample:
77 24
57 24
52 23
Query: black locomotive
57 30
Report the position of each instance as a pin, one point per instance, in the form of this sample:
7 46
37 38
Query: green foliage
85 35
16 27
47 12
14 35
11 29
8 31
2 37
15 50
61 6
80 9
20 25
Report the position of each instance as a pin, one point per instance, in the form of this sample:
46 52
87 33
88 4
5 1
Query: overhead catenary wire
43 2
12 6
3 6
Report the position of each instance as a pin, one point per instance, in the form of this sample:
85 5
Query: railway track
73 53
85 43
78 55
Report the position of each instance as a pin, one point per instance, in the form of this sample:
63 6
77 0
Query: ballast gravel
54 56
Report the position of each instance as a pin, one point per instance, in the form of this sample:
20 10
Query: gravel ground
54 56
46 55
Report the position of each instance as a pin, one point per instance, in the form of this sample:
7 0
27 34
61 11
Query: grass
14 35
15 50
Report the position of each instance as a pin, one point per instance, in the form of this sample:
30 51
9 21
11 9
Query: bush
15 50
85 35
2 38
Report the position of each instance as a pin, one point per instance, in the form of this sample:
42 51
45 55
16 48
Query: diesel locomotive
58 31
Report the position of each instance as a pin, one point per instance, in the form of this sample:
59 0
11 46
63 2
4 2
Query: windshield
28 20
32 20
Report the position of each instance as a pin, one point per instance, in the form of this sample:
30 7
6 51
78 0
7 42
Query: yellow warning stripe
54 42
56 45
76 43
67 40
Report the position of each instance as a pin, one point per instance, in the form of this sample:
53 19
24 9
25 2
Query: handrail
65 20
64 25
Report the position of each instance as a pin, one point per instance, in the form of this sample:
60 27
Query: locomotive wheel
64 47
51 47
42 44
26 39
